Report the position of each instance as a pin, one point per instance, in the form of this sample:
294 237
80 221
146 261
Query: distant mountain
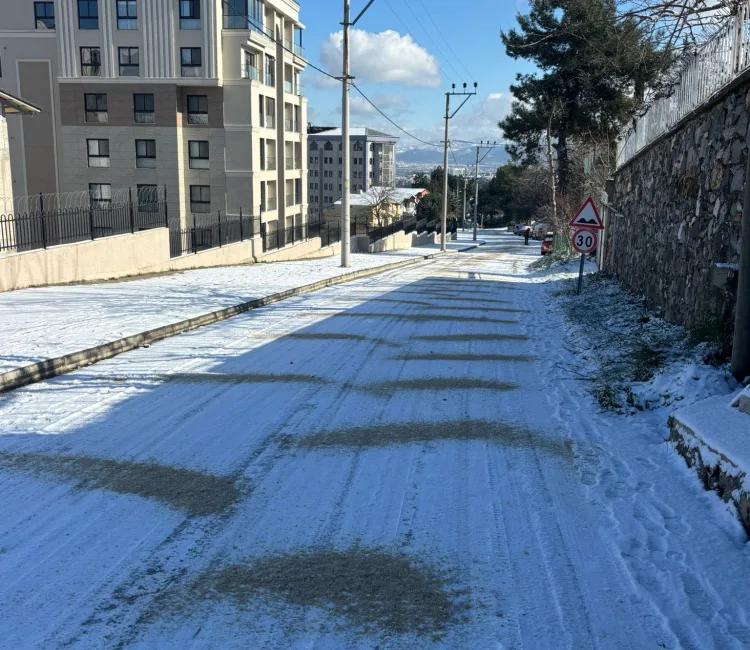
462 156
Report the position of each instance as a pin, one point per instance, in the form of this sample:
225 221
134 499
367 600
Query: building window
270 112
145 154
270 71
198 154
127 14
91 62
100 195
44 15
98 152
191 61
148 198
190 14
313 146
262 106
129 61
88 14
197 108
96 107
200 198
235 14
328 146
143 108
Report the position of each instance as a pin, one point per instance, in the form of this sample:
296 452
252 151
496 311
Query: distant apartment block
373 163
202 96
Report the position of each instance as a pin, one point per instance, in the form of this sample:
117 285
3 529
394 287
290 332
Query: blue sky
404 64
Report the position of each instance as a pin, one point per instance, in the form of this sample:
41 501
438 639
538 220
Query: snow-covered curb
53 367
712 437
742 401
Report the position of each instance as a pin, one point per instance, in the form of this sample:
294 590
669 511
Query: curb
56 366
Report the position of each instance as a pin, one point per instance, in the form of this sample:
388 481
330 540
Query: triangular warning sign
587 217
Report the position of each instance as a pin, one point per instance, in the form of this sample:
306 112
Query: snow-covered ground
42 323
404 461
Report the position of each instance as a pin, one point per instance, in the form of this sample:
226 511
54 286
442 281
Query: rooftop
16 106
354 132
398 194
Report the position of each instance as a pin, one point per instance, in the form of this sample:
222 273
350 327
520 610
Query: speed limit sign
585 241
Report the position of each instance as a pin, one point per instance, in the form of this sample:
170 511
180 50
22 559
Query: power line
432 41
367 99
429 15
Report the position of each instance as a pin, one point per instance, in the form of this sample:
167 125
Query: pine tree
594 67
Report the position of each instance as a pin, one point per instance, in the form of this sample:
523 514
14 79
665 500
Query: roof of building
399 194
354 132
17 106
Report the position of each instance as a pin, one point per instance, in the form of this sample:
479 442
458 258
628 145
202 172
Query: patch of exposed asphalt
386 435
373 589
443 356
333 336
195 493
436 383
239 378
426 318
447 338
497 310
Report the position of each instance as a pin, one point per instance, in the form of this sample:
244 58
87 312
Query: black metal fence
212 230
42 228
328 233
276 238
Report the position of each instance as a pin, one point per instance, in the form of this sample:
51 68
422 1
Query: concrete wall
396 242
677 212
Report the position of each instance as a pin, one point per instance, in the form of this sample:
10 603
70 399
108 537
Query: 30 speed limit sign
585 241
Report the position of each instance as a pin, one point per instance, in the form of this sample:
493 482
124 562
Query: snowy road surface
400 462
46 322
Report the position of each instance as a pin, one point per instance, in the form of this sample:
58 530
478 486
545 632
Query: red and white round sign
585 241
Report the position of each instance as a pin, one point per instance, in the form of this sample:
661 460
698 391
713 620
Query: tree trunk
563 164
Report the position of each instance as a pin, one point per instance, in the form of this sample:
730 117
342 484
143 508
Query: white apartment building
202 96
373 163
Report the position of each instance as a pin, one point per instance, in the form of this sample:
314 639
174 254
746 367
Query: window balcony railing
288 87
270 121
192 71
249 72
271 164
290 163
288 44
144 117
298 163
89 70
299 50
288 125
289 200
270 81
270 204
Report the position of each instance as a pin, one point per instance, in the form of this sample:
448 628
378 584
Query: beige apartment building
202 96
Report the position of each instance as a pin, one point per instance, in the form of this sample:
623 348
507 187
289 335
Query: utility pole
346 79
448 118
463 214
741 345
489 148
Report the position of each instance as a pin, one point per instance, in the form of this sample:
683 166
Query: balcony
288 87
290 163
270 80
289 200
288 126
270 204
249 72
299 50
288 45
271 164
270 121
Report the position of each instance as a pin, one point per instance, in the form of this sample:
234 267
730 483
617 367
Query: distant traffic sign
585 241
587 217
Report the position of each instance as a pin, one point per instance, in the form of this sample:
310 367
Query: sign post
585 239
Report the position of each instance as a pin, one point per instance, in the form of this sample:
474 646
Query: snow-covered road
399 462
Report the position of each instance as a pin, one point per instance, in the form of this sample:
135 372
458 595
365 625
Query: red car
547 242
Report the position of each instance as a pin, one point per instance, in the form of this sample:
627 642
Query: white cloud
386 57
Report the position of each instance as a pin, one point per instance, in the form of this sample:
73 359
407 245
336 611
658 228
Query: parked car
539 230
519 229
547 243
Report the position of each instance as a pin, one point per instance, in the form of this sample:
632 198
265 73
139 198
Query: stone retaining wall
677 212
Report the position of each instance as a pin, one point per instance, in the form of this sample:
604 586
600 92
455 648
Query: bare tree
381 201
